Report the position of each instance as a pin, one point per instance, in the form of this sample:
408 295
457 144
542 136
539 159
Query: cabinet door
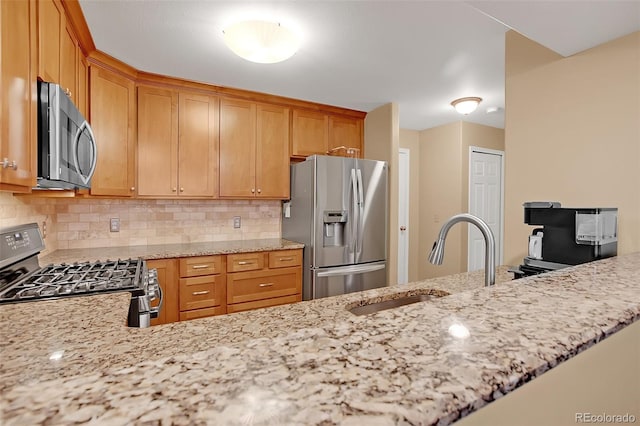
19 95
157 142
345 132
82 98
51 23
69 64
198 146
309 133
237 148
113 118
168 279
272 152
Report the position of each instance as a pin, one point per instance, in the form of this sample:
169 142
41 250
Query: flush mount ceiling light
261 41
466 105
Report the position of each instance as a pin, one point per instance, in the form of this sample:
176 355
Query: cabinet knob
8 164
253 191
259 190
181 189
5 163
174 189
133 188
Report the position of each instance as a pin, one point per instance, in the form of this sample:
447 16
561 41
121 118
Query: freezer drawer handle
266 285
200 266
351 270
242 262
200 293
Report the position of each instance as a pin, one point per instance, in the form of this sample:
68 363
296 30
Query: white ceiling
359 54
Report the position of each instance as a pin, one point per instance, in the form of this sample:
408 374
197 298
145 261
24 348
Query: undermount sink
389 304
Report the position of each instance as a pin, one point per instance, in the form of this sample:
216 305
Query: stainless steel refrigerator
338 209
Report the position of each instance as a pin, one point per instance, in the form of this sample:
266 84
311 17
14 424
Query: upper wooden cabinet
345 132
318 133
19 96
51 25
177 144
254 150
60 55
113 120
310 133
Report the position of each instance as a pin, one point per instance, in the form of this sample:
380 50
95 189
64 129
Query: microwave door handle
94 157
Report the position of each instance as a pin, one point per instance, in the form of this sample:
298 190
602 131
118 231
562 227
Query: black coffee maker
567 236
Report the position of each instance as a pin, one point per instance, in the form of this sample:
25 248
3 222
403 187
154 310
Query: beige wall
440 195
381 142
444 188
84 223
410 139
572 134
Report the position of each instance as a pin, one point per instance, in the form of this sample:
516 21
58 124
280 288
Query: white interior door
485 201
403 216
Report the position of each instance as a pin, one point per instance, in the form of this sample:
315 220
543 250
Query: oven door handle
154 312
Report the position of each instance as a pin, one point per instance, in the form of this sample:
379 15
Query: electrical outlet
236 221
114 225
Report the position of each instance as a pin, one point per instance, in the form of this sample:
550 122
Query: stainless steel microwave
67 151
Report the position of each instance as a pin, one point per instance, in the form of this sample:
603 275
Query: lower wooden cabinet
203 286
168 280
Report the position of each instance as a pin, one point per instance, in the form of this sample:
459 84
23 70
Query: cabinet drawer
201 313
247 306
201 265
245 262
285 258
250 286
202 292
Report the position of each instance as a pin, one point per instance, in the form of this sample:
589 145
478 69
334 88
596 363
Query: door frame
406 172
500 254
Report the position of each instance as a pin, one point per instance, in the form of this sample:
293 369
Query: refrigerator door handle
350 270
360 225
355 216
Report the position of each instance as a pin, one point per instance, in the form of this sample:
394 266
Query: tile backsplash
84 223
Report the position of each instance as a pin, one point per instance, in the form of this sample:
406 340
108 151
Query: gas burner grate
77 279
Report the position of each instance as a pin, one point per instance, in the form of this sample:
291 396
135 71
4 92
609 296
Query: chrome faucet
437 252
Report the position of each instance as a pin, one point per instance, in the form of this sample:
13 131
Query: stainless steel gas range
23 280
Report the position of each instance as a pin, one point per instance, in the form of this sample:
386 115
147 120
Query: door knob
403 228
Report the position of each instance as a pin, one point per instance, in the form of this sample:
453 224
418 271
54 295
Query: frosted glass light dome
263 42
466 105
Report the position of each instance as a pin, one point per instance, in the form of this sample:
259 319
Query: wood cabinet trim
76 18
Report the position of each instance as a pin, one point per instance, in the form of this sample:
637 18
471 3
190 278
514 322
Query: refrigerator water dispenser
334 225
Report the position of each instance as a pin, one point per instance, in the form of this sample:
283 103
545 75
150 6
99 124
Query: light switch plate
114 224
236 221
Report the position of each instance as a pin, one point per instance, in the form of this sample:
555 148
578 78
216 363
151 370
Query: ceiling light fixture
261 41
466 105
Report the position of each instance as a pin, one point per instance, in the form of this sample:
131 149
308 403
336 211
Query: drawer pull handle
200 293
242 262
285 258
266 285
200 266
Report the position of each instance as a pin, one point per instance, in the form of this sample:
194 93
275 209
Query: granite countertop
167 251
74 360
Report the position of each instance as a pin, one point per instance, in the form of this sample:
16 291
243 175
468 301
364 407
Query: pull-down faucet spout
437 252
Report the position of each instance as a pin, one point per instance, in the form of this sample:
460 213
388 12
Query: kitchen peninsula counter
74 360
168 251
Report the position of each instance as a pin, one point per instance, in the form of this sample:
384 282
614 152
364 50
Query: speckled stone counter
74 360
167 251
